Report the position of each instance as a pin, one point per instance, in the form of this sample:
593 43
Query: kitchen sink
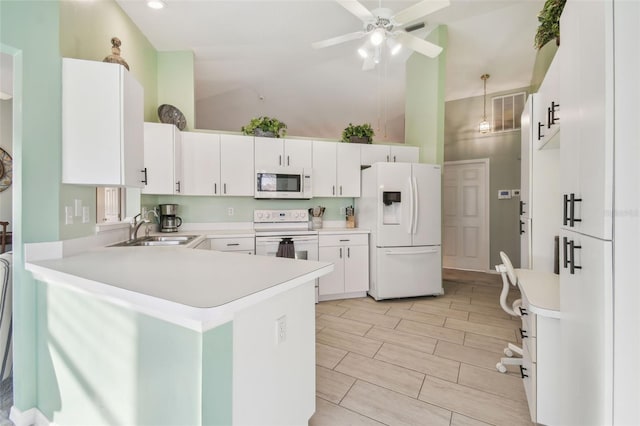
157 240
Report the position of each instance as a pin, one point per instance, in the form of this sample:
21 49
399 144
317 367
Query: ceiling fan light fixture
363 53
377 36
484 126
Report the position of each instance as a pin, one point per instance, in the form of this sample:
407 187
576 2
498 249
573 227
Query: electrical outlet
68 215
343 211
85 214
230 211
281 329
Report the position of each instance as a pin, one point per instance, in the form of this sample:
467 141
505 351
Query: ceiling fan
382 25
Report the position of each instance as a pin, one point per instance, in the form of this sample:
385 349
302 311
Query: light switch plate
85 214
68 215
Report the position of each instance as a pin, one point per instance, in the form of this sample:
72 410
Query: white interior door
466 215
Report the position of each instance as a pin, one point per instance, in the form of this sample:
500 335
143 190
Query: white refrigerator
401 204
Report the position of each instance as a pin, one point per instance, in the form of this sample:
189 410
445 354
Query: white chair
5 315
508 277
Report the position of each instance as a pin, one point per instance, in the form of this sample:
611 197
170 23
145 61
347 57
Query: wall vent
506 111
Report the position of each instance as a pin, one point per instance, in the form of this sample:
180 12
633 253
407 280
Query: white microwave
283 182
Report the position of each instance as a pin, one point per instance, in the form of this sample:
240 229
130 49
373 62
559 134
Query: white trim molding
31 417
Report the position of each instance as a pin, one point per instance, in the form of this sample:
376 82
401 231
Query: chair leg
501 366
515 349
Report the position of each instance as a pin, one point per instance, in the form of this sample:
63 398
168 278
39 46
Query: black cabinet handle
340 252
523 333
344 240
573 266
224 187
522 203
549 118
348 251
394 158
523 311
565 252
279 160
232 244
215 187
569 209
522 370
145 176
540 126
569 248
521 230
554 109
178 186
565 204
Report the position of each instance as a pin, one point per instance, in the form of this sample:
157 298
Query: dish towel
286 249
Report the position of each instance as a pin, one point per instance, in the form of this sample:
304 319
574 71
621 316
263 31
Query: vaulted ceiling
262 49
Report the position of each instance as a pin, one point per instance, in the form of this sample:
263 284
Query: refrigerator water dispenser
392 208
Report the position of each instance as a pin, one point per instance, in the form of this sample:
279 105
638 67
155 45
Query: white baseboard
31 417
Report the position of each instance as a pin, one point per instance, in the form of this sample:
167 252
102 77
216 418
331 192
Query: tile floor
419 361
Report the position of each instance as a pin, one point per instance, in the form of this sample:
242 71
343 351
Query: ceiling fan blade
421 46
337 40
357 9
419 10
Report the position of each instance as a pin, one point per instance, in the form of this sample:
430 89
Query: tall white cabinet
102 125
599 92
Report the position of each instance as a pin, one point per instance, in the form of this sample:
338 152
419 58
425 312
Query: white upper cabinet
586 149
200 163
275 152
370 154
162 159
336 169
546 111
217 164
237 170
102 125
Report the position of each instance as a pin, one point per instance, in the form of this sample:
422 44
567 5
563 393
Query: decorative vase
264 133
359 139
115 54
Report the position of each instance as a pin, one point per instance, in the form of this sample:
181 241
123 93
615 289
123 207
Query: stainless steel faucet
135 225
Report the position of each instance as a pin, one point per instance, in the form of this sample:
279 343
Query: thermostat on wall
504 194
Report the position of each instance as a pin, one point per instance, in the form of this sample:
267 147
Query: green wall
424 105
176 84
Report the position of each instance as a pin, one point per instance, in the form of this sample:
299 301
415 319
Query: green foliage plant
358 131
260 125
549 18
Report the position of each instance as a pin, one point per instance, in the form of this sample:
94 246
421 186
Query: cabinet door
356 269
525 156
159 156
132 131
237 171
269 153
177 160
297 153
348 170
370 154
552 99
587 146
332 283
404 154
324 169
200 163
586 329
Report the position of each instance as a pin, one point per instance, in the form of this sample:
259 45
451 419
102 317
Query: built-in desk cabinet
102 125
276 152
162 159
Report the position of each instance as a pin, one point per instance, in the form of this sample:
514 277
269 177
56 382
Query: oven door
305 246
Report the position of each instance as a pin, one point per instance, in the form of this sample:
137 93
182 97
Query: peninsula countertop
198 289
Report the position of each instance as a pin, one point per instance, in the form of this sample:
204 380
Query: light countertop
542 290
195 288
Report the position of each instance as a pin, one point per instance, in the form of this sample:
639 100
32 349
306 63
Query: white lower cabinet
235 244
350 255
540 341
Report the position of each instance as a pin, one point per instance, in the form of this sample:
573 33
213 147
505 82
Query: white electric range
271 226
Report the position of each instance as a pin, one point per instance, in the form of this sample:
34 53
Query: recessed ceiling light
155 4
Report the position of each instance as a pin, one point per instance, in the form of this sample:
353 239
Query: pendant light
484 126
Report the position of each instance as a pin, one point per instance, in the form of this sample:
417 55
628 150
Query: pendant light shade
484 126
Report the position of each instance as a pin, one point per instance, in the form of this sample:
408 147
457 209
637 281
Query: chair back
6 322
511 273
509 277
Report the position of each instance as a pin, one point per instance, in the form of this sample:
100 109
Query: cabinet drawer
232 244
530 382
529 321
343 240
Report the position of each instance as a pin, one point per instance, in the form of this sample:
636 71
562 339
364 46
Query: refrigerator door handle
404 253
411 206
416 205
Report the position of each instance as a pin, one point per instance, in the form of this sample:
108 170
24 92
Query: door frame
487 199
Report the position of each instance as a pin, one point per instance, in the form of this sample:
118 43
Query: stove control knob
266 215
296 214
259 215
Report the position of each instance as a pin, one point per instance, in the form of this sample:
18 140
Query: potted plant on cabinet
265 126
549 27
362 133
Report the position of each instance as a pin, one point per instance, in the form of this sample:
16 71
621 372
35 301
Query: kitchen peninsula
172 335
